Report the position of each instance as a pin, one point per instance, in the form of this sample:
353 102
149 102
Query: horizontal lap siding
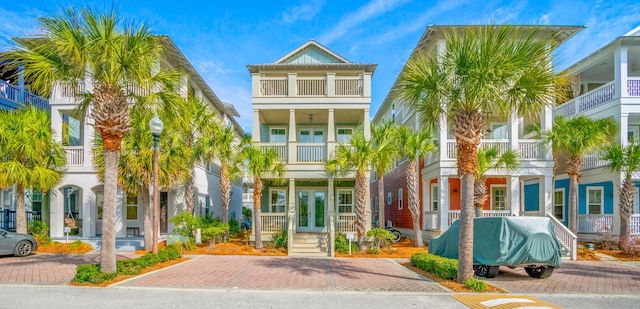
531 197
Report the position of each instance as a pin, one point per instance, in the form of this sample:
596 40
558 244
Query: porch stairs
310 244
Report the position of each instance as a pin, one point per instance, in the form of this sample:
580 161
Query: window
388 198
498 197
345 201
36 201
6 199
207 206
311 136
99 203
558 204
498 130
71 129
434 197
594 200
278 200
132 207
400 200
278 135
344 135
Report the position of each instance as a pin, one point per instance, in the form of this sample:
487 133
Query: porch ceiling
311 116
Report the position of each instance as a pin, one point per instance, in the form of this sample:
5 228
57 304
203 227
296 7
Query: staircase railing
565 236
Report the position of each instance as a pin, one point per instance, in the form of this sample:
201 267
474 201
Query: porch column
255 137
121 215
368 206
443 203
367 124
56 212
366 84
88 212
331 84
255 84
546 123
87 134
292 85
331 134
547 195
620 70
331 205
442 136
291 144
623 124
291 213
514 192
512 126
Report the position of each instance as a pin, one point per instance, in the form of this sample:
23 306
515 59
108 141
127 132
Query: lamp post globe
156 125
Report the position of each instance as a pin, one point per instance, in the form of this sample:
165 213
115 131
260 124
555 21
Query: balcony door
311 211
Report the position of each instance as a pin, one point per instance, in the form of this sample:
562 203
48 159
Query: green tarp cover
510 241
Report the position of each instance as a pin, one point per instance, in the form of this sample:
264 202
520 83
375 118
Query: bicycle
389 227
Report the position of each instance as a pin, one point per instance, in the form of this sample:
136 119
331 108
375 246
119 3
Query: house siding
607 196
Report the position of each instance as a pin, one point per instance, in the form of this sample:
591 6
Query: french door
311 211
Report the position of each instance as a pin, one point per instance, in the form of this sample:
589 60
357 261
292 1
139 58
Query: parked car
529 242
16 243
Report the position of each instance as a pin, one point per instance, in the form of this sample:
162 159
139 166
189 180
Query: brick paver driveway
584 277
43 268
289 273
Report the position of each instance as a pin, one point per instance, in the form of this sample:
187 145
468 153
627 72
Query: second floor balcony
12 97
328 85
526 149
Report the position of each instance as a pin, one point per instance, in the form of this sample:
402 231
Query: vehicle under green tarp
509 241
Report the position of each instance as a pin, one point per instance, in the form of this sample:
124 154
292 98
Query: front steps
310 244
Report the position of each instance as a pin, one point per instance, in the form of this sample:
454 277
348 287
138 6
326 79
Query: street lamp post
156 127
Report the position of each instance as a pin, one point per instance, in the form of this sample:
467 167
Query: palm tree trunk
414 205
257 221
626 207
146 224
479 197
225 193
465 248
361 201
573 170
21 215
381 203
189 193
108 248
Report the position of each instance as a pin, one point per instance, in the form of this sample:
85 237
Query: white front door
311 211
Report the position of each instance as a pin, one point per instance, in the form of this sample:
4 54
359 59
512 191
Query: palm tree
30 158
413 145
502 69
384 156
223 146
194 121
490 158
356 157
577 137
260 165
626 160
135 170
84 45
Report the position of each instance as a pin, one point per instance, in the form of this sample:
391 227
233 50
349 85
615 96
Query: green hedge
442 267
91 272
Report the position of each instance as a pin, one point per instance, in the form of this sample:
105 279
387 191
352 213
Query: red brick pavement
288 273
43 268
580 277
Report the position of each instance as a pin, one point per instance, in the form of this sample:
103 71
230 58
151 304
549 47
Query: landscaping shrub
442 267
185 223
476 284
214 233
632 246
74 245
342 244
380 237
281 238
91 272
234 227
40 231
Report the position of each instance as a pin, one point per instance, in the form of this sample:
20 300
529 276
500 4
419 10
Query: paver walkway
588 277
289 273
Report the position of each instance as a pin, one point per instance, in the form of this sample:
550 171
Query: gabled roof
311 52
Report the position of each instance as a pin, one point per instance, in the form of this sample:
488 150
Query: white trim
400 199
277 128
285 200
595 188
315 44
563 203
496 186
312 131
345 205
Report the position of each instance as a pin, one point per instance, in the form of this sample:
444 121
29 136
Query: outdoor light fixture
156 127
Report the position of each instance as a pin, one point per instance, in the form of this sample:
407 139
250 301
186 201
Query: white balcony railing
274 86
309 86
587 101
349 86
310 153
346 223
67 90
531 149
528 149
247 197
593 160
75 155
455 214
634 224
273 222
633 87
594 224
280 148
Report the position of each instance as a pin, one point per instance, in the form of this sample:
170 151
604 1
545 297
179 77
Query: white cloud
545 19
17 24
305 11
362 14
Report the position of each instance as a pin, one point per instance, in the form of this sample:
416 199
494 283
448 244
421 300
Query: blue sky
221 37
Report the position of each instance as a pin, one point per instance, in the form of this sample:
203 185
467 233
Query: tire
23 248
493 271
396 235
540 272
486 271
